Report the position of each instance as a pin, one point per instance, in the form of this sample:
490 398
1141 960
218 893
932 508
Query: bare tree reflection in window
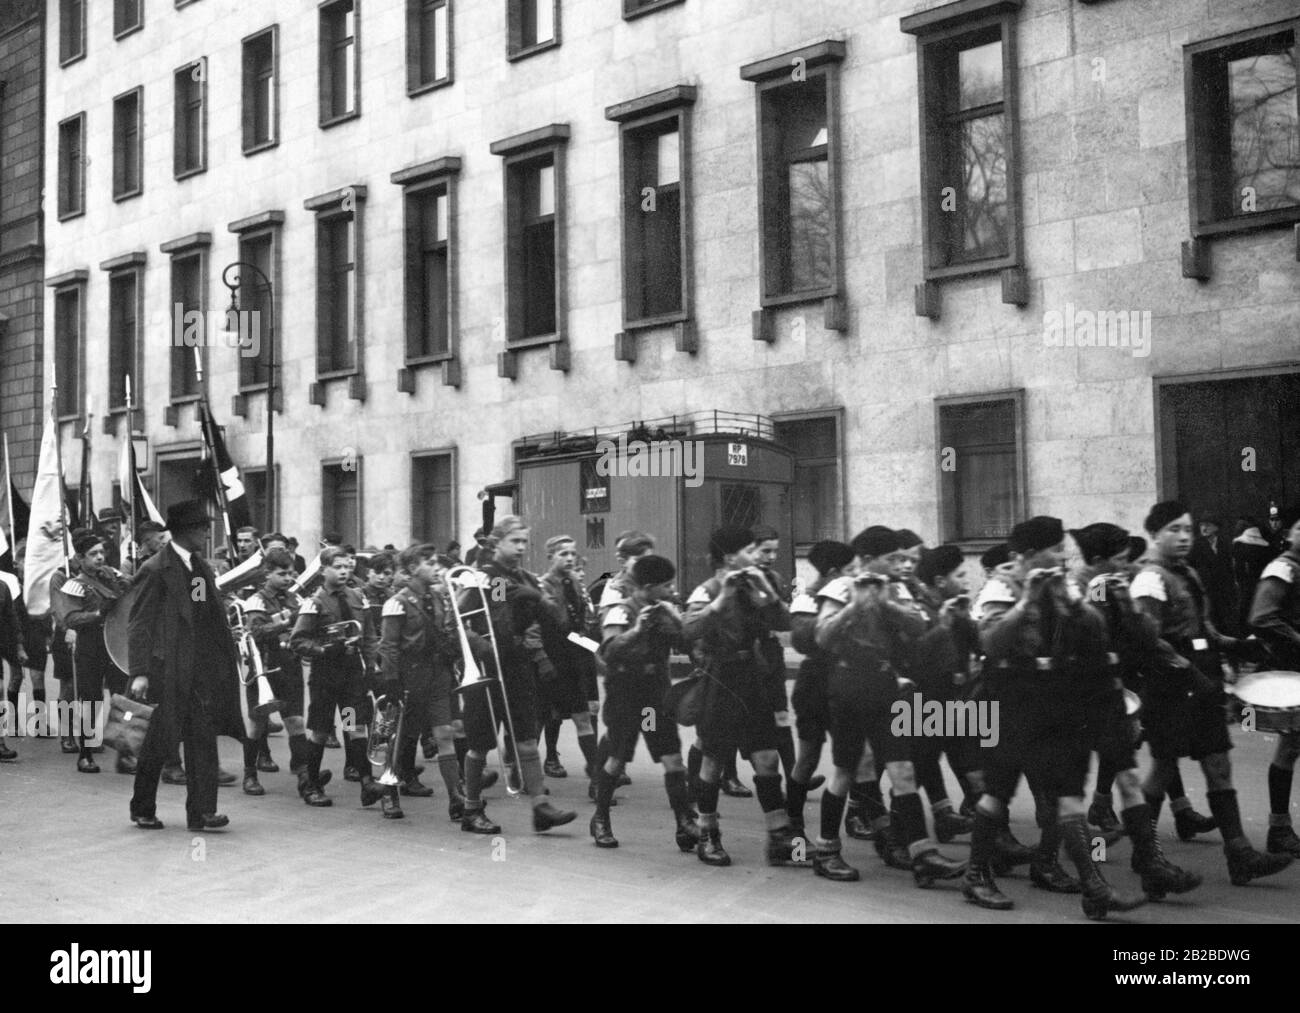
1265 126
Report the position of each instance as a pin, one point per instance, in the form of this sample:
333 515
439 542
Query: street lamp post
238 267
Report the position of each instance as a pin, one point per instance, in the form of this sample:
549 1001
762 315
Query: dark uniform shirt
418 632
1275 612
272 637
323 609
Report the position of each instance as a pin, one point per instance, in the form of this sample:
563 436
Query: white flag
45 534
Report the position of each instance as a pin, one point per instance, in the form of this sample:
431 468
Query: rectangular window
341 500
799 167
127 145
128 16
1243 146
532 243
72 31
338 62
534 25
123 336
188 324
72 166
257 315
67 349
653 233
816 508
190 141
981 466
432 501
428 272
970 207
336 286
255 488
261 113
428 44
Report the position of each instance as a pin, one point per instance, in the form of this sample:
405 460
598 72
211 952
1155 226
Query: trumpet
348 633
472 676
253 671
385 734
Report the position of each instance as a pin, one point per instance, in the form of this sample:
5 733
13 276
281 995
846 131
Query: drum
1274 698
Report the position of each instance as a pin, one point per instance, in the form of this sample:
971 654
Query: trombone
256 673
472 676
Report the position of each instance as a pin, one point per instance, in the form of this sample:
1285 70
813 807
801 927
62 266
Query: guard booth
676 478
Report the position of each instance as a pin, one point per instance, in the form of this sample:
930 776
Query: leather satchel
128 721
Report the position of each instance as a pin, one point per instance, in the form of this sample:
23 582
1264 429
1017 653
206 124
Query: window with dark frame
1243 144
258 249
815 494
123 334
255 489
432 499
341 500
336 288
190 142
428 44
127 145
67 349
981 468
654 283
967 74
261 114
338 62
798 99
533 25
187 298
534 195
72 31
72 166
127 16
428 271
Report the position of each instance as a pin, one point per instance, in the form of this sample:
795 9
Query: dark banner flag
230 495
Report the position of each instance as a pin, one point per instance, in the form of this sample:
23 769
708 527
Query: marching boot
252 786
688 831
391 806
1101 814
1099 897
1009 852
928 867
1160 877
979 886
475 820
371 792
889 843
1244 862
785 849
264 761
1188 823
126 764
710 850
68 745
855 823
948 825
416 788
1283 841
1045 870
829 864
456 808
602 832
553 767
547 817
310 780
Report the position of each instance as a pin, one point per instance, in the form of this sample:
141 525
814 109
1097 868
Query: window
429 270
428 44
257 315
190 138
261 114
635 8
336 281
72 167
655 247
534 26
188 321
1243 145
534 198
255 491
339 88
341 500
798 104
432 501
124 301
981 466
127 145
816 507
967 72
68 349
72 31
128 16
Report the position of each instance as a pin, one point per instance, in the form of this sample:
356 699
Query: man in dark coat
1211 558
180 645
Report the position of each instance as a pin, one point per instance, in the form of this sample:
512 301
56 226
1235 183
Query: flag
85 495
47 547
137 506
244 574
15 522
231 494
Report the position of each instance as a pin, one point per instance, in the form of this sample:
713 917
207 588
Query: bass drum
115 629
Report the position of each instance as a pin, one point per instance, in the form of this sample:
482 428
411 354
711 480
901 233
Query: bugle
254 671
466 578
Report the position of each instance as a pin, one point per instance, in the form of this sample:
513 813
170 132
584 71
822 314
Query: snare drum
1274 698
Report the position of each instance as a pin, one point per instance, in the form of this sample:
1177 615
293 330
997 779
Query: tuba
465 578
252 657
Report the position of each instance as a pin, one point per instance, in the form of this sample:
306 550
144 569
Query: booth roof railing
708 422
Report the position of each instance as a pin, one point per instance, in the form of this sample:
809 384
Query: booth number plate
737 455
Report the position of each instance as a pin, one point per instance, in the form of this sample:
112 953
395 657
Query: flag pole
58 456
130 437
9 500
